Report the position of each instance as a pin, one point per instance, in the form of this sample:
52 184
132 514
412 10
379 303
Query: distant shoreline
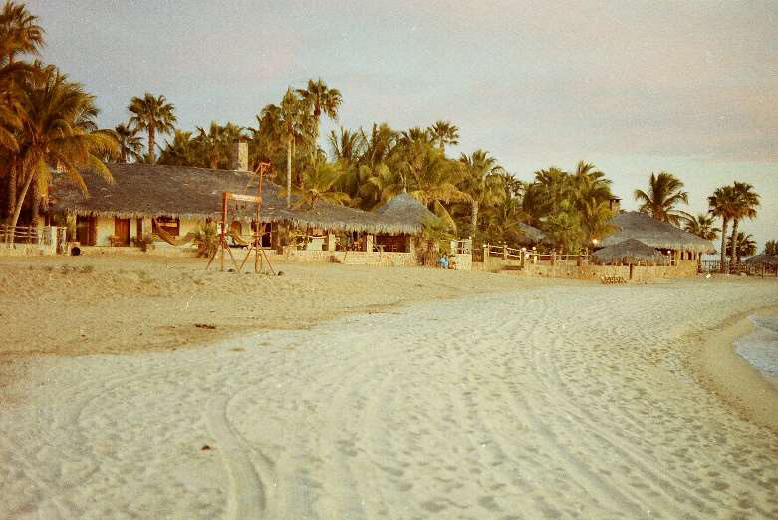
729 376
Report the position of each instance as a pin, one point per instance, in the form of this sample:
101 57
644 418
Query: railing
462 247
26 235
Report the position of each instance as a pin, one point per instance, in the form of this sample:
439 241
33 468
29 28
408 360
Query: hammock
170 239
236 238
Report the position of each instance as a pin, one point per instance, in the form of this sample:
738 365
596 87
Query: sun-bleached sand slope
559 402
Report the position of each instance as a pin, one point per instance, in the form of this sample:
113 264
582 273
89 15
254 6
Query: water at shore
760 348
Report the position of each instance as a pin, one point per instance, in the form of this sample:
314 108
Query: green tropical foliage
665 192
723 204
154 115
701 226
206 239
745 204
771 247
130 145
745 247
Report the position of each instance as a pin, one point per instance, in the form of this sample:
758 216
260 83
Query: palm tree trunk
289 172
35 196
151 146
19 204
732 254
12 179
723 252
474 217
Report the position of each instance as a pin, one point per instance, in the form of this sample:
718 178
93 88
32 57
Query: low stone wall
350 257
637 273
495 264
165 250
27 250
462 262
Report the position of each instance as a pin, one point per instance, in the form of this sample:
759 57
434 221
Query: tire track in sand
247 492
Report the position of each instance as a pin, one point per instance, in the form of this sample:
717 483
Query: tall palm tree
130 145
701 226
480 183
590 184
746 203
55 132
153 114
723 204
434 181
665 192
444 132
285 121
19 34
595 219
771 247
210 144
319 99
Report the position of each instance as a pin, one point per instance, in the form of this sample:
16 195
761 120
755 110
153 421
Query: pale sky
634 87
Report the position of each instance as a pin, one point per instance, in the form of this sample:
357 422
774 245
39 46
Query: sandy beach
532 399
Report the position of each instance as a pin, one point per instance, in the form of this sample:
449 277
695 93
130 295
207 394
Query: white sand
559 402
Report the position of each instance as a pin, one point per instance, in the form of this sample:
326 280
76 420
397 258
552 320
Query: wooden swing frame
256 242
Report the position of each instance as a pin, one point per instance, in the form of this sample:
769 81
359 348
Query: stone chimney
615 204
239 155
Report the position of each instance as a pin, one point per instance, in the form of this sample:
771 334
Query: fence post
504 252
486 253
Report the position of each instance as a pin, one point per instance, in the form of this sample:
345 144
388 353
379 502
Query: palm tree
444 132
320 179
480 184
701 226
210 144
285 121
746 203
595 219
745 247
130 145
590 184
56 132
153 114
19 34
348 146
723 203
319 99
771 247
665 191
180 152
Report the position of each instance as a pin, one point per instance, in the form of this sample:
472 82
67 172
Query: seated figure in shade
443 262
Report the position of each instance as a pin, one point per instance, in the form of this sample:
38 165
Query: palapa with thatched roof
405 208
771 260
629 252
530 235
655 234
147 191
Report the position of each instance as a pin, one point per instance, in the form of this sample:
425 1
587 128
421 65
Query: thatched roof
654 233
762 259
531 235
406 209
629 252
143 190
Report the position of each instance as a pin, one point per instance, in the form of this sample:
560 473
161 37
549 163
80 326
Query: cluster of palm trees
732 203
46 120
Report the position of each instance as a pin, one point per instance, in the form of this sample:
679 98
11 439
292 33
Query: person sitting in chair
443 262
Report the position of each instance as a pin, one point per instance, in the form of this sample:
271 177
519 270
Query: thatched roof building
143 190
762 259
655 234
531 235
629 252
406 209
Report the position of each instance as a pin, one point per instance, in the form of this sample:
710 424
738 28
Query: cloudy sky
635 87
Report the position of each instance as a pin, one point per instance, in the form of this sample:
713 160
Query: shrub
206 239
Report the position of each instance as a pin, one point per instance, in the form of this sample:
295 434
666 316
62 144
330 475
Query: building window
169 225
